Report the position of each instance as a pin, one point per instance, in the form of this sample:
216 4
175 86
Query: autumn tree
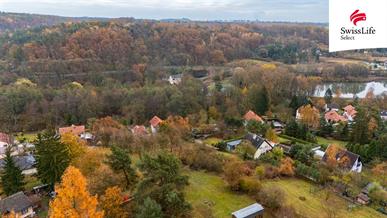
52 157
234 171
163 182
12 179
111 203
121 162
271 135
73 198
259 99
310 116
75 145
287 167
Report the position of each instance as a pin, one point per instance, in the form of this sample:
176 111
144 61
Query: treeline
26 106
119 44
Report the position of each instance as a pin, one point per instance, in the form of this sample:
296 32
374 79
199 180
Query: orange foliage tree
287 167
111 203
75 145
73 199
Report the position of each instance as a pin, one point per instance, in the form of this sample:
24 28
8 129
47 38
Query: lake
349 90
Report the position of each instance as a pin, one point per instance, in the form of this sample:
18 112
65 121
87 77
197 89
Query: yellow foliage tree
111 203
271 135
310 116
73 200
76 146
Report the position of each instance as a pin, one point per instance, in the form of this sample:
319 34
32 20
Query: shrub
200 157
260 172
233 173
271 197
250 185
271 172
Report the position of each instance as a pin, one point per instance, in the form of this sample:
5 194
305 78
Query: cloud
269 10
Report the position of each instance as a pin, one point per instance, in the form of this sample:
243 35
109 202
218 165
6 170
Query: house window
24 211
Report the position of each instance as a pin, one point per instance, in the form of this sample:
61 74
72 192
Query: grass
325 141
210 189
212 141
314 204
30 137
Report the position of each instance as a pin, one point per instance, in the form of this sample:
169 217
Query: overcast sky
264 10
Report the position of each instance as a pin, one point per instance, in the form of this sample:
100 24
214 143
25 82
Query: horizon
300 11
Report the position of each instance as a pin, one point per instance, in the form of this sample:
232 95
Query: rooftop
16 202
254 209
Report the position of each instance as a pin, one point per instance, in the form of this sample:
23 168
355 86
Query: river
349 89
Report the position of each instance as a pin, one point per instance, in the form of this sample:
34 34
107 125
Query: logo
356 17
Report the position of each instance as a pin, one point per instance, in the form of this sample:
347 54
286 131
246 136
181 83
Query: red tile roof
139 130
350 110
76 130
155 121
334 116
250 115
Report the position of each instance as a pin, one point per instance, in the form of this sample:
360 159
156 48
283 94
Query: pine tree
73 199
163 183
120 162
12 179
150 209
52 157
328 96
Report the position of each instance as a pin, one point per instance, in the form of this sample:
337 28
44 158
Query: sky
263 10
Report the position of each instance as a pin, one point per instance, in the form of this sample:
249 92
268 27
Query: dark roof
255 139
383 113
250 211
286 148
333 105
16 202
341 153
23 162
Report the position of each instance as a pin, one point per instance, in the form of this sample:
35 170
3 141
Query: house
349 112
253 211
18 203
285 148
261 144
347 160
155 123
250 115
139 130
231 145
75 130
175 79
276 124
334 117
332 106
383 115
363 198
26 163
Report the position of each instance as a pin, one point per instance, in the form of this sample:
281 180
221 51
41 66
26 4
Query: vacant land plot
210 189
325 141
315 205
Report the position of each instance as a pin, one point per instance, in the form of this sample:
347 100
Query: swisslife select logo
350 33
357 24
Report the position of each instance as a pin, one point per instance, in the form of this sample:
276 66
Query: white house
175 79
347 160
263 145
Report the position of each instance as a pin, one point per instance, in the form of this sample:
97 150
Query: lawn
314 203
30 137
212 141
210 189
325 141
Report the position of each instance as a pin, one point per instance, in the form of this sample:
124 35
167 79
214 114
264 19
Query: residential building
261 144
349 113
253 211
334 117
250 115
332 106
155 123
18 203
346 160
26 163
5 141
139 130
175 79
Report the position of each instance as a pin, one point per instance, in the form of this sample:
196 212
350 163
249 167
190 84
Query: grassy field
30 137
325 141
212 141
210 189
314 204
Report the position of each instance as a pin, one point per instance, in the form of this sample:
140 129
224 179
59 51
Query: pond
349 90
